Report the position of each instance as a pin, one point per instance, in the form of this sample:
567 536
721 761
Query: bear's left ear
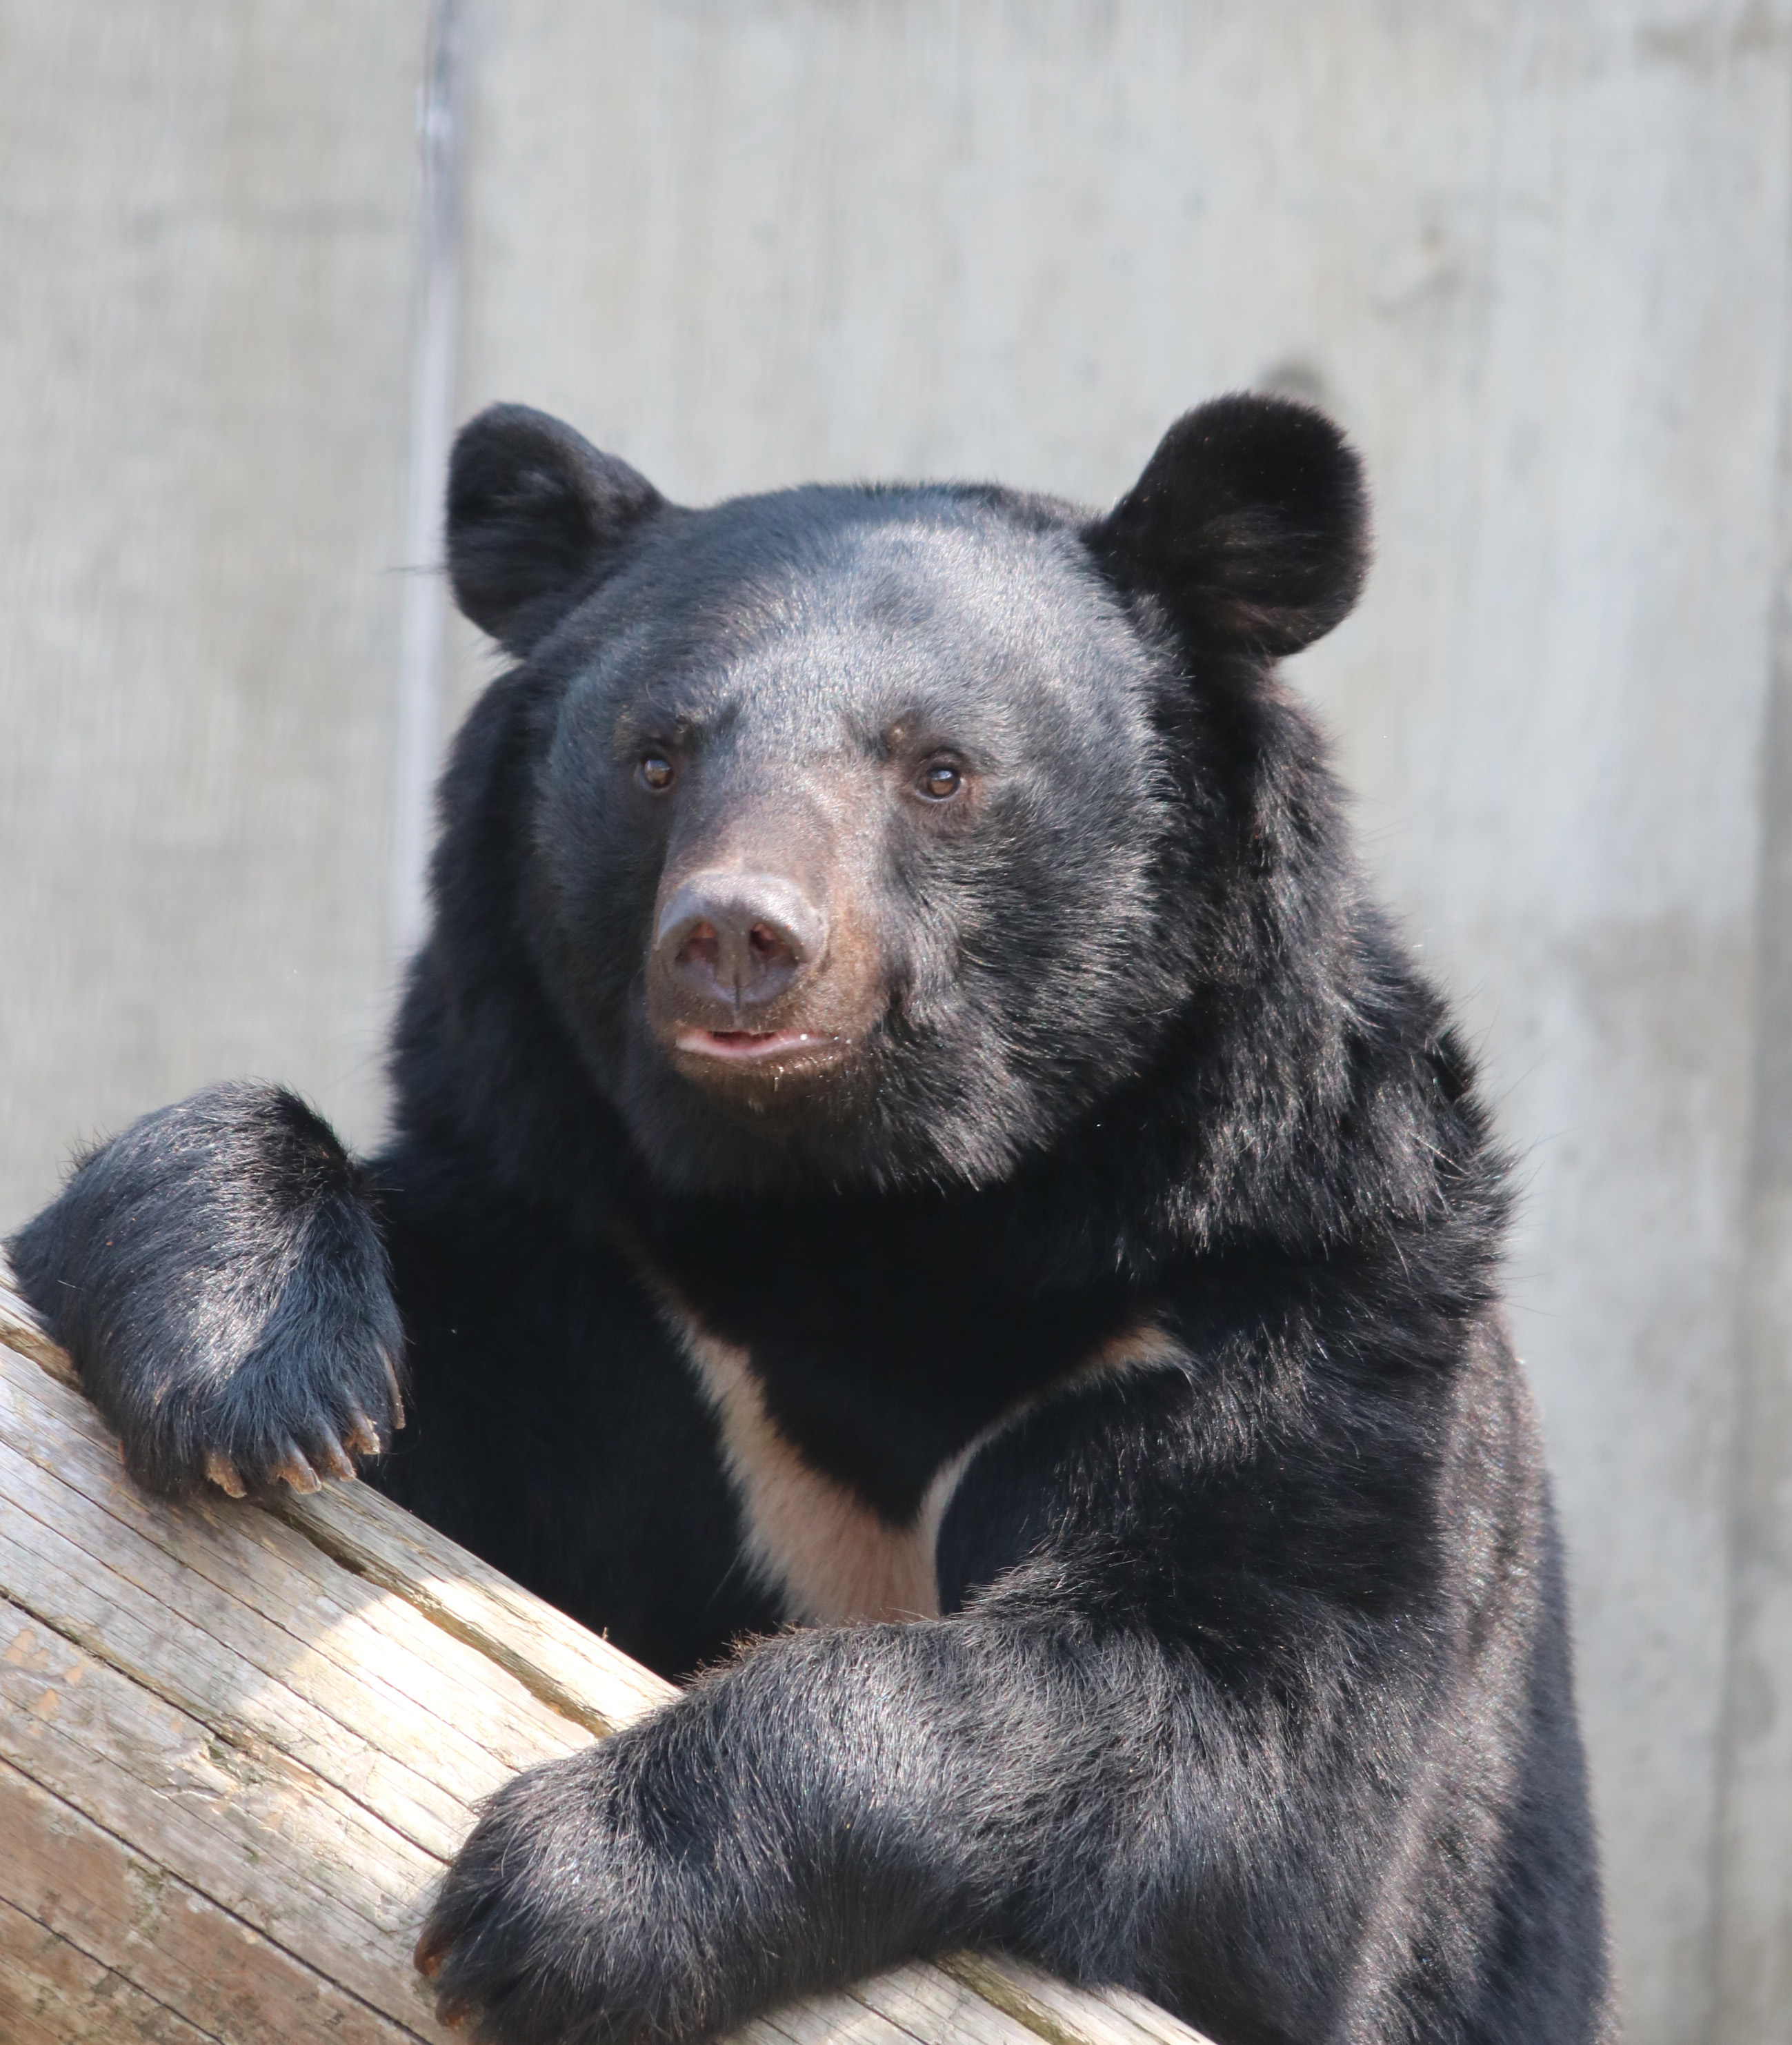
534 514
1250 524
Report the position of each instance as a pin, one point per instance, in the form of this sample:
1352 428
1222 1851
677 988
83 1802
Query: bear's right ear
1250 526
532 510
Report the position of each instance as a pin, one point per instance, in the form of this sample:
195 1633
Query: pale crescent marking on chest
812 1540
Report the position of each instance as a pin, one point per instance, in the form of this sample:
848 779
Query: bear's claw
363 1437
293 1468
337 1461
223 1474
392 1386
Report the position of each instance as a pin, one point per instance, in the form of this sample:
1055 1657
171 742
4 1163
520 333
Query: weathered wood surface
238 1744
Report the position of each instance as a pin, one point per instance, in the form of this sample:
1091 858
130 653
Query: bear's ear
532 510
1250 524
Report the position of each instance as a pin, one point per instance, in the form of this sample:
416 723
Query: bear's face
846 833
852 813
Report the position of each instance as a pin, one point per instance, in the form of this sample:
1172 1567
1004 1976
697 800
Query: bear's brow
665 720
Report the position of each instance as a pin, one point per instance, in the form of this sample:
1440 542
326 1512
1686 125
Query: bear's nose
740 939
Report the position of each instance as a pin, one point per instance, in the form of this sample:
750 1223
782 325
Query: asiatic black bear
917 1172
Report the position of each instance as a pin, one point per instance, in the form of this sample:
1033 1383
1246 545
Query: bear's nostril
769 945
700 947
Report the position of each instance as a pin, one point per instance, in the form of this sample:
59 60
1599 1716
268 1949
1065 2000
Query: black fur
1250 1685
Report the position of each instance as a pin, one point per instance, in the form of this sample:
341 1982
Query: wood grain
239 1742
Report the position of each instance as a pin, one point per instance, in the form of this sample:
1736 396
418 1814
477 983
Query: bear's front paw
218 1275
297 1426
556 1925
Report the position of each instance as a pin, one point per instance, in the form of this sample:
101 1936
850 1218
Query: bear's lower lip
747 1046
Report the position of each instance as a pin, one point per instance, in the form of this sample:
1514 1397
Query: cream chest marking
812 1540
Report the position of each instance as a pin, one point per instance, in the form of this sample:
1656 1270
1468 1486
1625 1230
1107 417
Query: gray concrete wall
208 240
1536 256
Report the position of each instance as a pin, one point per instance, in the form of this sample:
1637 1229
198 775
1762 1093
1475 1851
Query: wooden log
239 1742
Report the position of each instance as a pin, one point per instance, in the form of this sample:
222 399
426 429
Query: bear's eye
657 772
941 781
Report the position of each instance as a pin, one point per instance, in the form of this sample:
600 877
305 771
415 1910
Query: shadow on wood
238 1744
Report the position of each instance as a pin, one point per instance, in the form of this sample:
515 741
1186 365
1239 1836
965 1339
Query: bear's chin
702 1146
717 1118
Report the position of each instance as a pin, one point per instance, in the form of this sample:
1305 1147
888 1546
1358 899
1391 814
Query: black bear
919 1185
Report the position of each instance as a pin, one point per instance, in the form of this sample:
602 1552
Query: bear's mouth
750 1047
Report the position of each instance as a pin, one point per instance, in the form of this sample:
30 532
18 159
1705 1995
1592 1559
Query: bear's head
873 835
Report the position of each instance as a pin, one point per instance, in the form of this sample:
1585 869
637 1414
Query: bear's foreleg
830 1804
835 1802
